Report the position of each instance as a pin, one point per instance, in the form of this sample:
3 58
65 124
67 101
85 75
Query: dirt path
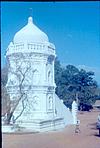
67 138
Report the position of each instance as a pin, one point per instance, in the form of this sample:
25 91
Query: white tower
31 80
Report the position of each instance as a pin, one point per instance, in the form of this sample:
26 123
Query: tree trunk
9 115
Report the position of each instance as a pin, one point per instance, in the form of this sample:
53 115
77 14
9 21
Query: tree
73 83
86 88
17 76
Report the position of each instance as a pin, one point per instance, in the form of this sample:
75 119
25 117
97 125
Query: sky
73 27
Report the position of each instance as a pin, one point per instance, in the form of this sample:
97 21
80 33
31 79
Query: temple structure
31 83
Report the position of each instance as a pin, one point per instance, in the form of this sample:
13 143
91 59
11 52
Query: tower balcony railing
32 47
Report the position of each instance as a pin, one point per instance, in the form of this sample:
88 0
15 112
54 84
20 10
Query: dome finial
30 20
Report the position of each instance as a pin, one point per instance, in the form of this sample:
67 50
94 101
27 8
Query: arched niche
49 76
50 103
36 76
36 103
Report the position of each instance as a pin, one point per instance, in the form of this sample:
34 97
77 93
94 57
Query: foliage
4 75
73 83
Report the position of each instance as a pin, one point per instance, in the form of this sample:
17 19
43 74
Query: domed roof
30 33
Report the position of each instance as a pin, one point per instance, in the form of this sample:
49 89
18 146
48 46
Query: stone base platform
35 126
